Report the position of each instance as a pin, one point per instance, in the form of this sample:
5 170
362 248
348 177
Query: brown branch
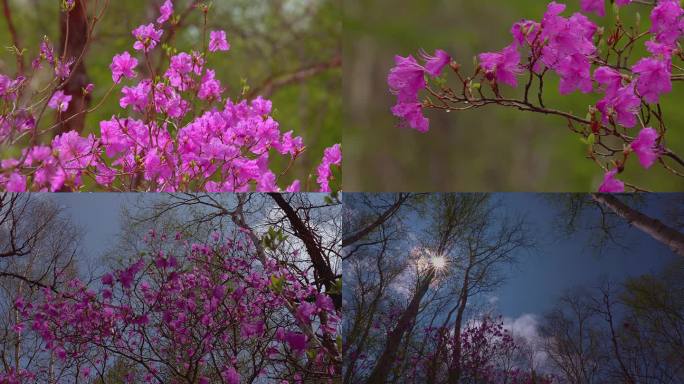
382 218
15 36
323 271
273 83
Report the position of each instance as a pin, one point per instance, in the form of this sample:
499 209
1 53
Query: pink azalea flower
412 115
665 21
294 187
611 184
324 302
107 279
598 6
569 45
624 105
654 78
218 41
406 79
331 156
434 64
63 68
296 341
503 66
646 148
526 31
660 51
137 96
305 311
231 375
75 152
16 183
123 65
180 67
609 78
575 73
147 37
60 101
165 11
252 329
210 87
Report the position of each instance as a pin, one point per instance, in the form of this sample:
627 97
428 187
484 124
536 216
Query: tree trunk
455 368
74 38
652 227
386 361
324 274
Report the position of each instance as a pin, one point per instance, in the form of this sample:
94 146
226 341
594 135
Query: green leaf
591 139
277 284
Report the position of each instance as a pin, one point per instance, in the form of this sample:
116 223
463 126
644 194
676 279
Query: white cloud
526 327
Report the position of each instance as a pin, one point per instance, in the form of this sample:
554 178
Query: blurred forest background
489 149
288 50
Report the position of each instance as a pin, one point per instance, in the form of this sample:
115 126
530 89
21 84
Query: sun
439 262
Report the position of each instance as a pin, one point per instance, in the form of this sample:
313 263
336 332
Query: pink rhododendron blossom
123 65
147 37
666 22
575 74
504 66
332 156
645 147
609 78
569 48
654 78
296 341
178 130
210 87
412 114
188 312
137 96
660 51
60 101
565 46
526 32
623 105
231 376
16 183
435 63
218 41
611 184
165 12
63 69
597 6
406 79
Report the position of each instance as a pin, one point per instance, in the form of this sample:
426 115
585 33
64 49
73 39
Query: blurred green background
269 39
490 149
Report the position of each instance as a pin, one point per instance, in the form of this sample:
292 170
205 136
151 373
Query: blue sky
98 214
557 263
562 262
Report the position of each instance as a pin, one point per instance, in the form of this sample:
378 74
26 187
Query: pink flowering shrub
626 120
176 130
187 313
487 352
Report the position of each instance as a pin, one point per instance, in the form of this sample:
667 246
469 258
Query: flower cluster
567 46
485 347
208 308
176 130
407 79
